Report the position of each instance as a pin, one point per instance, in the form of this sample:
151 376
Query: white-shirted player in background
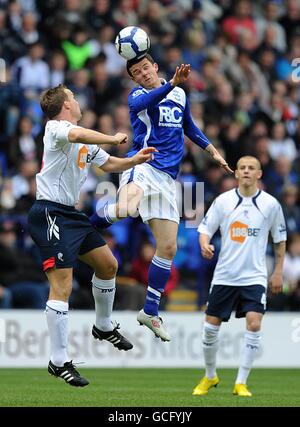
245 216
64 234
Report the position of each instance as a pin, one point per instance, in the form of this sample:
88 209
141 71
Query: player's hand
207 251
275 283
222 162
144 155
181 74
121 138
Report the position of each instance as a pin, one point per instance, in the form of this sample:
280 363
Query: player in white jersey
245 217
64 234
160 117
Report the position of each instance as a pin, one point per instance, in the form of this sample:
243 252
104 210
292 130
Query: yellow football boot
204 385
241 390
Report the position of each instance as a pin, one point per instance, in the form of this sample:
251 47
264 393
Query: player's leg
165 234
252 306
57 312
57 319
105 267
210 334
250 348
221 302
128 201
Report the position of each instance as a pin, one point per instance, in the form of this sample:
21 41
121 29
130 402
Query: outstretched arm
275 281
116 164
197 136
91 137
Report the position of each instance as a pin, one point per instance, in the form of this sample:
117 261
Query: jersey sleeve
139 99
278 227
191 130
99 156
61 133
211 222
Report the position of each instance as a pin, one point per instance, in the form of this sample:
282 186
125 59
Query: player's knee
111 268
253 325
170 249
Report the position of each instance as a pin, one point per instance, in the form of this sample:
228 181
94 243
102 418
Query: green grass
146 387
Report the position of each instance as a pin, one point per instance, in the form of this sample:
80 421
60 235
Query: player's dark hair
53 99
134 61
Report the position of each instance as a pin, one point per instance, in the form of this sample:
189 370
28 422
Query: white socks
57 320
110 213
104 295
250 347
210 347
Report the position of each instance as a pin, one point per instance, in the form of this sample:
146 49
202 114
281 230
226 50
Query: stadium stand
242 94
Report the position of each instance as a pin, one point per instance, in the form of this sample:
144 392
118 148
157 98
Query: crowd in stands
244 93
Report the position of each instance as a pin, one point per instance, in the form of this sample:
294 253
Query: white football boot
155 323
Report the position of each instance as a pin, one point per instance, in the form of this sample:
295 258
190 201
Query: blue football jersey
160 117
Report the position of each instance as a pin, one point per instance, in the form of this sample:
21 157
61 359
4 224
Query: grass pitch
146 388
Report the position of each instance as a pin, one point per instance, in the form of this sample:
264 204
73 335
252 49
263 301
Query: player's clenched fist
207 251
121 138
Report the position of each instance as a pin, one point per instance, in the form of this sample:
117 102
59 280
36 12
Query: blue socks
159 273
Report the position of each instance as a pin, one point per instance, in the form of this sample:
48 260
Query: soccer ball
132 42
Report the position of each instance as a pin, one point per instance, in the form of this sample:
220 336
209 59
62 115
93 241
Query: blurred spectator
291 209
78 49
23 146
20 182
241 22
79 85
99 14
281 175
291 265
269 20
291 19
58 65
104 44
280 144
31 72
20 272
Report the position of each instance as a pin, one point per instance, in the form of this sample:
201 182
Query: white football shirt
245 223
65 164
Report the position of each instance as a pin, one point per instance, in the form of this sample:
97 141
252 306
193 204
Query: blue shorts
224 299
61 233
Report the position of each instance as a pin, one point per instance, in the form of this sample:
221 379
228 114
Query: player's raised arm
116 164
88 136
144 73
181 74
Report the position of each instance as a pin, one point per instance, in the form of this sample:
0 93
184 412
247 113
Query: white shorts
159 199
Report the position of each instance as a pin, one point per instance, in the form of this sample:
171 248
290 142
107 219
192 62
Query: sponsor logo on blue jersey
170 116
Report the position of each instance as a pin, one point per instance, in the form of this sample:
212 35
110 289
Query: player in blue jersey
160 116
